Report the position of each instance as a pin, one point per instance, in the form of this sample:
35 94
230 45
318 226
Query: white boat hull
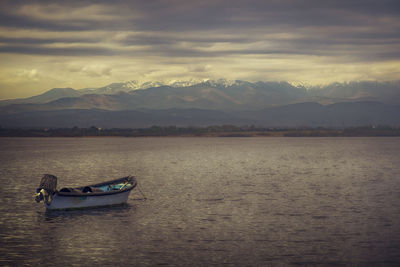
79 202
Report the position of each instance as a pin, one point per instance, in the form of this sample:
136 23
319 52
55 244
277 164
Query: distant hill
294 115
51 95
204 95
208 102
119 119
240 93
387 92
346 114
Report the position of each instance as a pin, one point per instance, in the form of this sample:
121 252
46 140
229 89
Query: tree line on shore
216 131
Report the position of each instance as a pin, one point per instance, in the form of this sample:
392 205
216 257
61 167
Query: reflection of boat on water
108 193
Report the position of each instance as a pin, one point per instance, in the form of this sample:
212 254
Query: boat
109 193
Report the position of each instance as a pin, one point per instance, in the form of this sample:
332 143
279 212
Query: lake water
210 202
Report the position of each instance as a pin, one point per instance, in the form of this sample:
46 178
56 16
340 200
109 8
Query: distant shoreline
210 131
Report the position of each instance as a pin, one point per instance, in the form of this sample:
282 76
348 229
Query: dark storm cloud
54 51
228 14
163 51
10 16
145 39
314 27
176 15
36 41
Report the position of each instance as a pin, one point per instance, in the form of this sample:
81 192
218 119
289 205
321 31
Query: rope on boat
125 184
138 186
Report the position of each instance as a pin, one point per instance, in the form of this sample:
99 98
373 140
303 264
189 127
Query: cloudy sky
78 44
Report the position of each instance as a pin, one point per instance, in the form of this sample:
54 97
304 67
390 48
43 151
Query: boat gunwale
95 194
85 207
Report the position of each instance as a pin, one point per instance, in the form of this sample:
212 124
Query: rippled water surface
210 201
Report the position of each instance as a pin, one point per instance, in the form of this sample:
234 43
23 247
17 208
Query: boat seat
68 190
90 189
86 189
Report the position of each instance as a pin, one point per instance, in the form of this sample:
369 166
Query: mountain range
190 103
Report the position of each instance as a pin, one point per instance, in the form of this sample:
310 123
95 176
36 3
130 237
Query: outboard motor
46 189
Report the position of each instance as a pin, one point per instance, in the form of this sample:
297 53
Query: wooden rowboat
108 193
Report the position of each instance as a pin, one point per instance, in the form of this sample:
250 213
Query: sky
87 44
